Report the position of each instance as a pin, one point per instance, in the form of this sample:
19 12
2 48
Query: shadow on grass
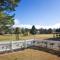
10 51
54 52
54 39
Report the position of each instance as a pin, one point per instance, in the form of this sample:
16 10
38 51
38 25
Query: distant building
56 34
37 32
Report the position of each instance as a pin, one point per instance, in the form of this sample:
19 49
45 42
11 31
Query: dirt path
29 54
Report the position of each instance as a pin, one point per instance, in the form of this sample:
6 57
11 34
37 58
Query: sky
41 13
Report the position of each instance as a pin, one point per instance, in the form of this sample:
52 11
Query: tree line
32 31
27 31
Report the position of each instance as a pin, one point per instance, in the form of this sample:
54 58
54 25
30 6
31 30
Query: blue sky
38 12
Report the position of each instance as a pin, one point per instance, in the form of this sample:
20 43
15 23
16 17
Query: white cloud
23 26
56 25
17 24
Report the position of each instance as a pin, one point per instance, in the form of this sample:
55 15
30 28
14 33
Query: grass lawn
13 37
29 54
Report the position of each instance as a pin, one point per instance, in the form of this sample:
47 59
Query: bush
25 34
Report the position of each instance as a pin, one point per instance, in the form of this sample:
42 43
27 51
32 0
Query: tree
17 31
58 33
43 31
22 30
49 31
25 31
58 30
8 5
33 30
6 21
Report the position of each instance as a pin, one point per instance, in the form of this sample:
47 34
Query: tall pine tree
33 30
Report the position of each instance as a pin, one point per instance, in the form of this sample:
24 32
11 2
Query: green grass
9 37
